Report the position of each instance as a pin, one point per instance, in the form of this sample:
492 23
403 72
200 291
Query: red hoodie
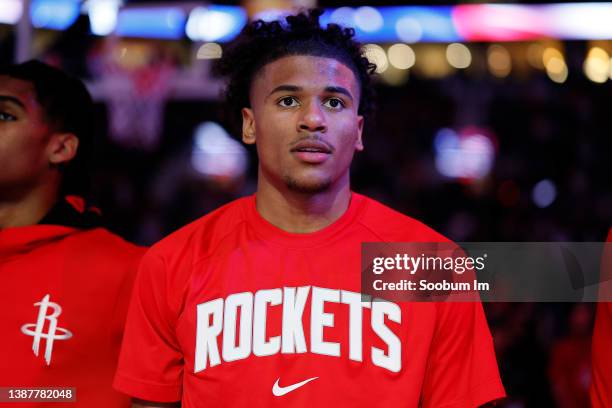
601 388
63 301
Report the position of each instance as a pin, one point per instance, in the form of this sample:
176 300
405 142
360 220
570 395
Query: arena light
401 56
499 61
216 154
271 14
399 23
409 29
544 193
151 22
54 14
460 23
513 22
498 22
11 11
579 21
557 71
481 22
368 19
344 16
535 53
458 55
466 156
209 51
103 16
555 65
550 53
597 65
435 24
215 23
375 54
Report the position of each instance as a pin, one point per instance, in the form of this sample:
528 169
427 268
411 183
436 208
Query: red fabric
80 205
77 202
570 371
447 357
89 274
601 388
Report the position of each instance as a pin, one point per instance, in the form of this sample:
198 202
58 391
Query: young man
258 303
65 281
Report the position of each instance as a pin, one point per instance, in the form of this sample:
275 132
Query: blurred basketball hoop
137 78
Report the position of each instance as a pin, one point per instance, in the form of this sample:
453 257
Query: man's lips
312 151
310 145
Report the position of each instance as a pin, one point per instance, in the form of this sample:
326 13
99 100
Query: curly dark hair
261 43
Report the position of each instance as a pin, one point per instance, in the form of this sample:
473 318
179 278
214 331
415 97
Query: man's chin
308 186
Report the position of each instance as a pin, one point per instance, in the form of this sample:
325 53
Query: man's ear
62 148
359 141
248 126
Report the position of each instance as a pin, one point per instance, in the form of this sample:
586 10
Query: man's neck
302 213
19 210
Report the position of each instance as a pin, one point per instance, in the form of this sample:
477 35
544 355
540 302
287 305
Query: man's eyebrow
12 99
285 88
328 89
340 90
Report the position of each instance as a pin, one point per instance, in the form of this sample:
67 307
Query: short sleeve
462 369
151 362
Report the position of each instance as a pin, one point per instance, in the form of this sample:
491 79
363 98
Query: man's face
304 122
24 135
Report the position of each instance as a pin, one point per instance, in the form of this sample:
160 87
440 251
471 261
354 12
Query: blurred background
493 124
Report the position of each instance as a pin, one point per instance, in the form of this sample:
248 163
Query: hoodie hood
68 216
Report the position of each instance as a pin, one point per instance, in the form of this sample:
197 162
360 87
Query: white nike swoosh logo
279 391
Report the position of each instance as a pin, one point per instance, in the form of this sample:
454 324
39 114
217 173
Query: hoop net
136 100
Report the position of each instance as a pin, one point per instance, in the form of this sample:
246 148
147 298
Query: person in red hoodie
601 356
65 279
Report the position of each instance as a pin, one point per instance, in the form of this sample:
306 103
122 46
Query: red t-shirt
232 311
601 387
63 301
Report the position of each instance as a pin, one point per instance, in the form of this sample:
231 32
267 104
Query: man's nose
313 119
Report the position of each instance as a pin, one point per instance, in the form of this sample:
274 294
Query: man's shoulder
206 230
100 243
103 256
393 226
78 241
106 237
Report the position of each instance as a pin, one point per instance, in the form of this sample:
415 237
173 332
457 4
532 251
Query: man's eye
334 103
288 102
5 117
